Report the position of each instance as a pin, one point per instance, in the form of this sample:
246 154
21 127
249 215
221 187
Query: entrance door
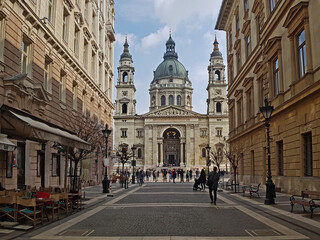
21 165
171 159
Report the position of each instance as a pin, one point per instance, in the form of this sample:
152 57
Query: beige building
56 68
273 49
171 133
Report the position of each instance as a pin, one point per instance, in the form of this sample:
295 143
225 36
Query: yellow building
273 49
56 68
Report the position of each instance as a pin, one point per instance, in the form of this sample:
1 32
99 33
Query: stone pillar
161 153
181 153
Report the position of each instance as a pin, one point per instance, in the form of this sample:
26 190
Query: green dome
171 68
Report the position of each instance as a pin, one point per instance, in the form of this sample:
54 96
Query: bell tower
125 101
217 86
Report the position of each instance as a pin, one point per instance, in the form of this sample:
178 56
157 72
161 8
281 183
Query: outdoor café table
44 202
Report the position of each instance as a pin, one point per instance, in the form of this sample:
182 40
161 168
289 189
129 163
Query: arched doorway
171 147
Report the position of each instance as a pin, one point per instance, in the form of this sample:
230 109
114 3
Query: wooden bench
307 198
252 189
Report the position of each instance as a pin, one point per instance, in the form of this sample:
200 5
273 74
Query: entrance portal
171 147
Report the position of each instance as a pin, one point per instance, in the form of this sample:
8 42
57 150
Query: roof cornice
225 10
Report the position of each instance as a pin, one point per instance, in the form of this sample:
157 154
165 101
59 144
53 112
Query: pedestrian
141 176
165 175
174 175
213 181
191 174
197 173
138 176
181 176
202 179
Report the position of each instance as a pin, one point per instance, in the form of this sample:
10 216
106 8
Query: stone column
181 153
161 152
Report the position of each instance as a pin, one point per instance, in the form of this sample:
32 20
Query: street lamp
208 156
133 149
105 182
266 111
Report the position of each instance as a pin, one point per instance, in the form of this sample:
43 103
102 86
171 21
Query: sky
147 24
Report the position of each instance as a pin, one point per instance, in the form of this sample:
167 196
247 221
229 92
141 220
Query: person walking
141 176
174 175
202 179
213 181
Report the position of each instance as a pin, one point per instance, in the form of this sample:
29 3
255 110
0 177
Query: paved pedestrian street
173 211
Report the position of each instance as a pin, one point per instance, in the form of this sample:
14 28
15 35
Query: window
179 100
204 152
239 112
280 157
139 133
124 108
84 103
123 133
219 132
259 27
63 84
275 76
25 55
93 23
47 81
203 132
93 64
246 5
248 46
163 100
307 154
75 95
76 41
218 107
302 56
50 10
125 77
272 5
217 75
249 103
65 25
85 54
237 23
238 59
170 100
91 108
139 153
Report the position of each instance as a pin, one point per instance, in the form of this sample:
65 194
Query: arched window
218 107
204 152
139 153
163 100
170 100
125 77
217 75
179 100
124 108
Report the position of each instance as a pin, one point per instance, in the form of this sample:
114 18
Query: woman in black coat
202 179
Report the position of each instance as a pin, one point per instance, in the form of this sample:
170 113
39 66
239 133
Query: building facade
171 134
56 69
272 50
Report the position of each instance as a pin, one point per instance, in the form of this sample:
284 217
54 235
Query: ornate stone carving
172 112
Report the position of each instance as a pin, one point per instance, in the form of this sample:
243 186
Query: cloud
175 12
135 10
155 38
120 39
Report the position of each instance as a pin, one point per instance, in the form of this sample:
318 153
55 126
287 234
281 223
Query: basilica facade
171 134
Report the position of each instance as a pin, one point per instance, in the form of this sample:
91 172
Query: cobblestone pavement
173 211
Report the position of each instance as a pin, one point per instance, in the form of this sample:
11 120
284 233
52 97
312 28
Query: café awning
28 127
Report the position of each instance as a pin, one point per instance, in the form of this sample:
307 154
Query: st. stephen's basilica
171 133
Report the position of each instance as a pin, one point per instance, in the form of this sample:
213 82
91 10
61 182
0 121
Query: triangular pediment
171 111
300 8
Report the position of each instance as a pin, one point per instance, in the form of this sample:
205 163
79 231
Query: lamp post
133 149
105 182
208 156
266 111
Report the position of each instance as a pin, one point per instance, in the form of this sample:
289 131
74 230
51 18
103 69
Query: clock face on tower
124 93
